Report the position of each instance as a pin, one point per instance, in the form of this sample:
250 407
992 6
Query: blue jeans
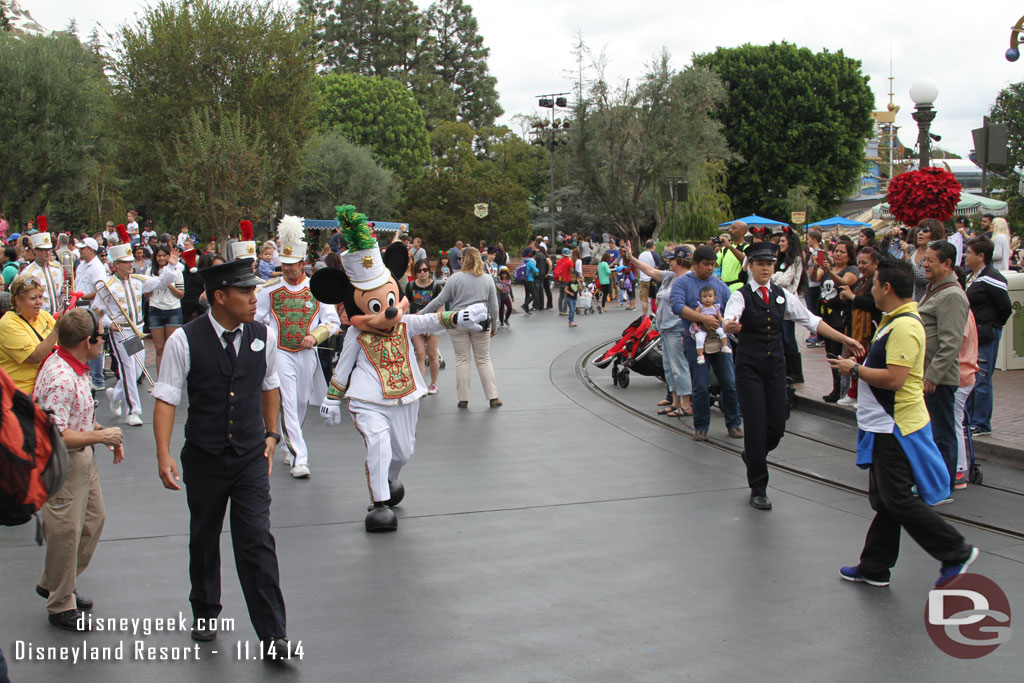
572 308
941 409
96 371
979 405
677 370
701 378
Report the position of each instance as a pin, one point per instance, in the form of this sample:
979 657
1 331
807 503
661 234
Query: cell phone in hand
820 257
831 356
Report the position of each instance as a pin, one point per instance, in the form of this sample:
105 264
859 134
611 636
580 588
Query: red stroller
638 350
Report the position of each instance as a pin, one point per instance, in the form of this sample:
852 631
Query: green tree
794 117
706 207
336 171
378 113
626 141
439 204
369 37
220 170
222 55
1009 109
57 109
454 57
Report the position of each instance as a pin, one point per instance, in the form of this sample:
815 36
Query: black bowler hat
762 251
234 274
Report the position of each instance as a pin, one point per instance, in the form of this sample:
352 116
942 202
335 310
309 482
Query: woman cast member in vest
228 365
756 312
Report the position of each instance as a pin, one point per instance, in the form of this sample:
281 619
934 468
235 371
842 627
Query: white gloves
470 316
330 410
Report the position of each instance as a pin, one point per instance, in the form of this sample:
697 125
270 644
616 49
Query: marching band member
44 269
118 296
301 324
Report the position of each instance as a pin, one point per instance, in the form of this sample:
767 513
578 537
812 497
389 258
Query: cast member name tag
780 300
257 345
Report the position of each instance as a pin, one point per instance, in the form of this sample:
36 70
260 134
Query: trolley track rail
584 365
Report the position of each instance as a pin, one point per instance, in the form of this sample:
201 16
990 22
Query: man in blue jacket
685 300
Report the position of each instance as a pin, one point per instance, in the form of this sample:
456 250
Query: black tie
229 339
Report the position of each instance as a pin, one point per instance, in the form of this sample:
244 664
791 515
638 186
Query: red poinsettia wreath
929 193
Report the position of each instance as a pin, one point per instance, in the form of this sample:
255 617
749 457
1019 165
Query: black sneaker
72 620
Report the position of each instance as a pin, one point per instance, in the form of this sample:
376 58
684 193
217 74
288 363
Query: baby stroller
638 350
585 301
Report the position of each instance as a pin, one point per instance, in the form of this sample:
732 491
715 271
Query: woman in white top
1001 244
164 303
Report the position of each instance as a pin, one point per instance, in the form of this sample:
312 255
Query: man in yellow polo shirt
906 472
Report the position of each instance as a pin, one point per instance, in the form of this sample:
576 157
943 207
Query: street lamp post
551 138
923 92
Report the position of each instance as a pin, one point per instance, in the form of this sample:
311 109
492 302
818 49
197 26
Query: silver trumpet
67 264
132 345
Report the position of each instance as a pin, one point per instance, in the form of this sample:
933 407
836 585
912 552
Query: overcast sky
957 44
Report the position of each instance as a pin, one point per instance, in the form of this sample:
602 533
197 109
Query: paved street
558 538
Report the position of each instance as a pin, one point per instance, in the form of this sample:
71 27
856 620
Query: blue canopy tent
378 226
752 220
838 222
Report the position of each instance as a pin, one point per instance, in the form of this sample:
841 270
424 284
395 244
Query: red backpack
33 458
563 270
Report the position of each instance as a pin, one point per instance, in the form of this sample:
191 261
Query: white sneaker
288 459
847 401
133 420
700 360
432 389
115 405
726 349
300 472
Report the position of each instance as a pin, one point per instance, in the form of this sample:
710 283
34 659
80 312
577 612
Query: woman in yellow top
27 333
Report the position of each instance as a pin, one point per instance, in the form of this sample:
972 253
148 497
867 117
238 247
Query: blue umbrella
753 220
838 222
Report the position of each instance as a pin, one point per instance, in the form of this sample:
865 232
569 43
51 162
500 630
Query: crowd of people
911 325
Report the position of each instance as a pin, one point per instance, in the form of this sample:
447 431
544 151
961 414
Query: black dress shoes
760 503
83 603
276 649
202 635
70 621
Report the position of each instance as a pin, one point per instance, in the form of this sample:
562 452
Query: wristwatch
854 372
272 435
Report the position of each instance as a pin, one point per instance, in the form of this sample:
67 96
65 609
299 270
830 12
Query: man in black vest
227 363
755 312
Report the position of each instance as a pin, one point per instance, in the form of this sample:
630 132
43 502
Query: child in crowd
708 306
505 296
444 268
267 262
572 292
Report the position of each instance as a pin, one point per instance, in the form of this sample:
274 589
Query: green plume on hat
354 228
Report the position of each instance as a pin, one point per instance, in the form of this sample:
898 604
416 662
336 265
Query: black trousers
211 480
761 389
529 294
889 482
545 286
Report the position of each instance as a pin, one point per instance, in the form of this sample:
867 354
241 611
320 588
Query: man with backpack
73 517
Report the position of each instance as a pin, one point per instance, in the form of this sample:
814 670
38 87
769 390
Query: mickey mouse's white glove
330 410
470 317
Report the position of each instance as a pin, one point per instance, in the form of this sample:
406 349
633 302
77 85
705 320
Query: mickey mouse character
377 371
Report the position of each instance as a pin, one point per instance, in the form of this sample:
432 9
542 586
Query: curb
985 448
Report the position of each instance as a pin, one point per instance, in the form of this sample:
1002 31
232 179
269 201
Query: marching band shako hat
41 239
363 262
120 252
246 247
232 274
290 232
762 251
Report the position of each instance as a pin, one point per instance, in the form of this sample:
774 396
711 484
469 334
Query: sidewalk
1003 445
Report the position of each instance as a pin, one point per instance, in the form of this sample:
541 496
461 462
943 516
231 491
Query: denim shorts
159 318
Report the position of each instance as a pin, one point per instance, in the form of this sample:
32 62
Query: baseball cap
565 251
13 237
91 243
679 252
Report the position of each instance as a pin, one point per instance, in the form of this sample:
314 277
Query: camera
716 240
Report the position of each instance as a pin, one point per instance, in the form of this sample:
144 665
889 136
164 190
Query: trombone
102 287
68 296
